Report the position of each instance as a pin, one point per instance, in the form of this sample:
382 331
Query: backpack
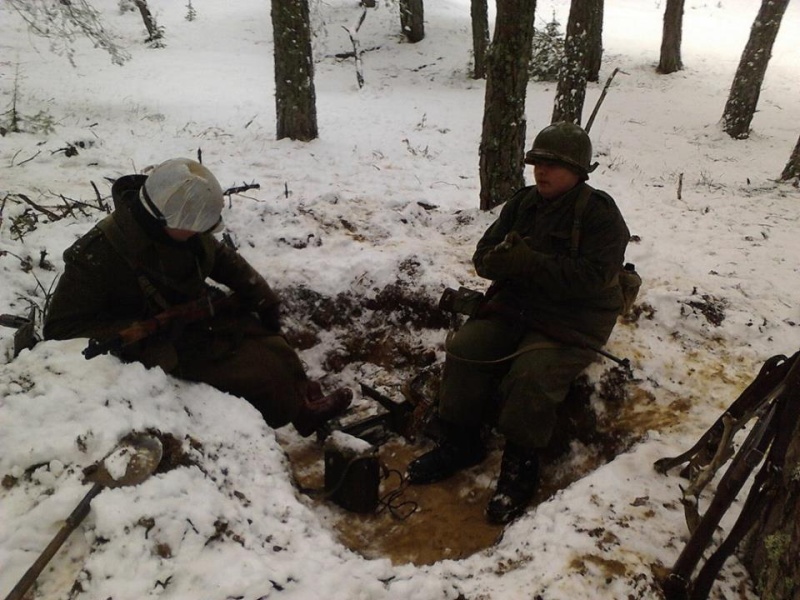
628 279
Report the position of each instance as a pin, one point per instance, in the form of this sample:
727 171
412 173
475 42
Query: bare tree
671 36
594 44
480 36
412 20
746 87
573 75
792 168
295 96
502 147
154 32
63 22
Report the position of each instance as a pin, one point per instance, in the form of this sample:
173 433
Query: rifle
778 417
473 303
713 448
189 312
402 418
558 333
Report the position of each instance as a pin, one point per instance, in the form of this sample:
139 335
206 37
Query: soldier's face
553 179
180 235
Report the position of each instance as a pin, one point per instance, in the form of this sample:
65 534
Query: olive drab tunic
124 270
582 292
574 290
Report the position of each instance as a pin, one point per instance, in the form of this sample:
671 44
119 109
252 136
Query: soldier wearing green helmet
553 254
564 143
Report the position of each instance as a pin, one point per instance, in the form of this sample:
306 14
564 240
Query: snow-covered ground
230 523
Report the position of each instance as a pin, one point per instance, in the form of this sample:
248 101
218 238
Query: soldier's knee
528 426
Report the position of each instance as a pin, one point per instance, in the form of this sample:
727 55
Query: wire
402 510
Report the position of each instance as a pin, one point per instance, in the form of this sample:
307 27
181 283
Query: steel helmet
566 143
183 194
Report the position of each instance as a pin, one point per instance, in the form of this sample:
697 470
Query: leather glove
270 316
510 258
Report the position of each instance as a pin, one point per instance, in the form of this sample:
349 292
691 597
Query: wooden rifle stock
778 415
189 312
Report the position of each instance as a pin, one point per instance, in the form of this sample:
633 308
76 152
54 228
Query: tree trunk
502 147
295 97
594 50
154 32
743 97
773 547
412 20
571 90
792 168
480 36
671 36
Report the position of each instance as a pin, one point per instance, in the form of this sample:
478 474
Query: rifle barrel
189 312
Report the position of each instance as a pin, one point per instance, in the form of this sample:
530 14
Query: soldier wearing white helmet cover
157 250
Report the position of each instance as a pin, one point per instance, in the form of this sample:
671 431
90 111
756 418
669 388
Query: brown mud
449 521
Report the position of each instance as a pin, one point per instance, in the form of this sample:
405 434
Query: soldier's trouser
530 385
239 356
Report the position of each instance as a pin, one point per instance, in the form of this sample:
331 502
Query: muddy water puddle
448 520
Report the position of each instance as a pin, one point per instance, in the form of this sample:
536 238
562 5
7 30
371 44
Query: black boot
516 485
458 449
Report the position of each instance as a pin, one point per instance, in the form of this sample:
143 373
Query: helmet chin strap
151 207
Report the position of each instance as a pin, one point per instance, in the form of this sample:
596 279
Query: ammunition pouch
629 282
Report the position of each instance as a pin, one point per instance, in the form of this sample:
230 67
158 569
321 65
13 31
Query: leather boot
318 409
516 485
458 449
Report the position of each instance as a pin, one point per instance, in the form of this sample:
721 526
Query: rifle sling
577 220
116 237
513 355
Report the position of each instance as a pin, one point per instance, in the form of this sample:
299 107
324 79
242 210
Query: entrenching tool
402 418
139 453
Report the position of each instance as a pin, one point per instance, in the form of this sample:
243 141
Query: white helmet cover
183 194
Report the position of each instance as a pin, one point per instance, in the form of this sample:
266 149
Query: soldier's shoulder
603 196
92 244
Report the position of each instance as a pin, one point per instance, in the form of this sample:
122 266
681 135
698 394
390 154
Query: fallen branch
53 216
241 188
100 204
38 152
602 97
346 55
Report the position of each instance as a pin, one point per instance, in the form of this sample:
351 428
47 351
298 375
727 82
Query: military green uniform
577 291
127 269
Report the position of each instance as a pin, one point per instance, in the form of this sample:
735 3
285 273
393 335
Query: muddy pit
449 523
